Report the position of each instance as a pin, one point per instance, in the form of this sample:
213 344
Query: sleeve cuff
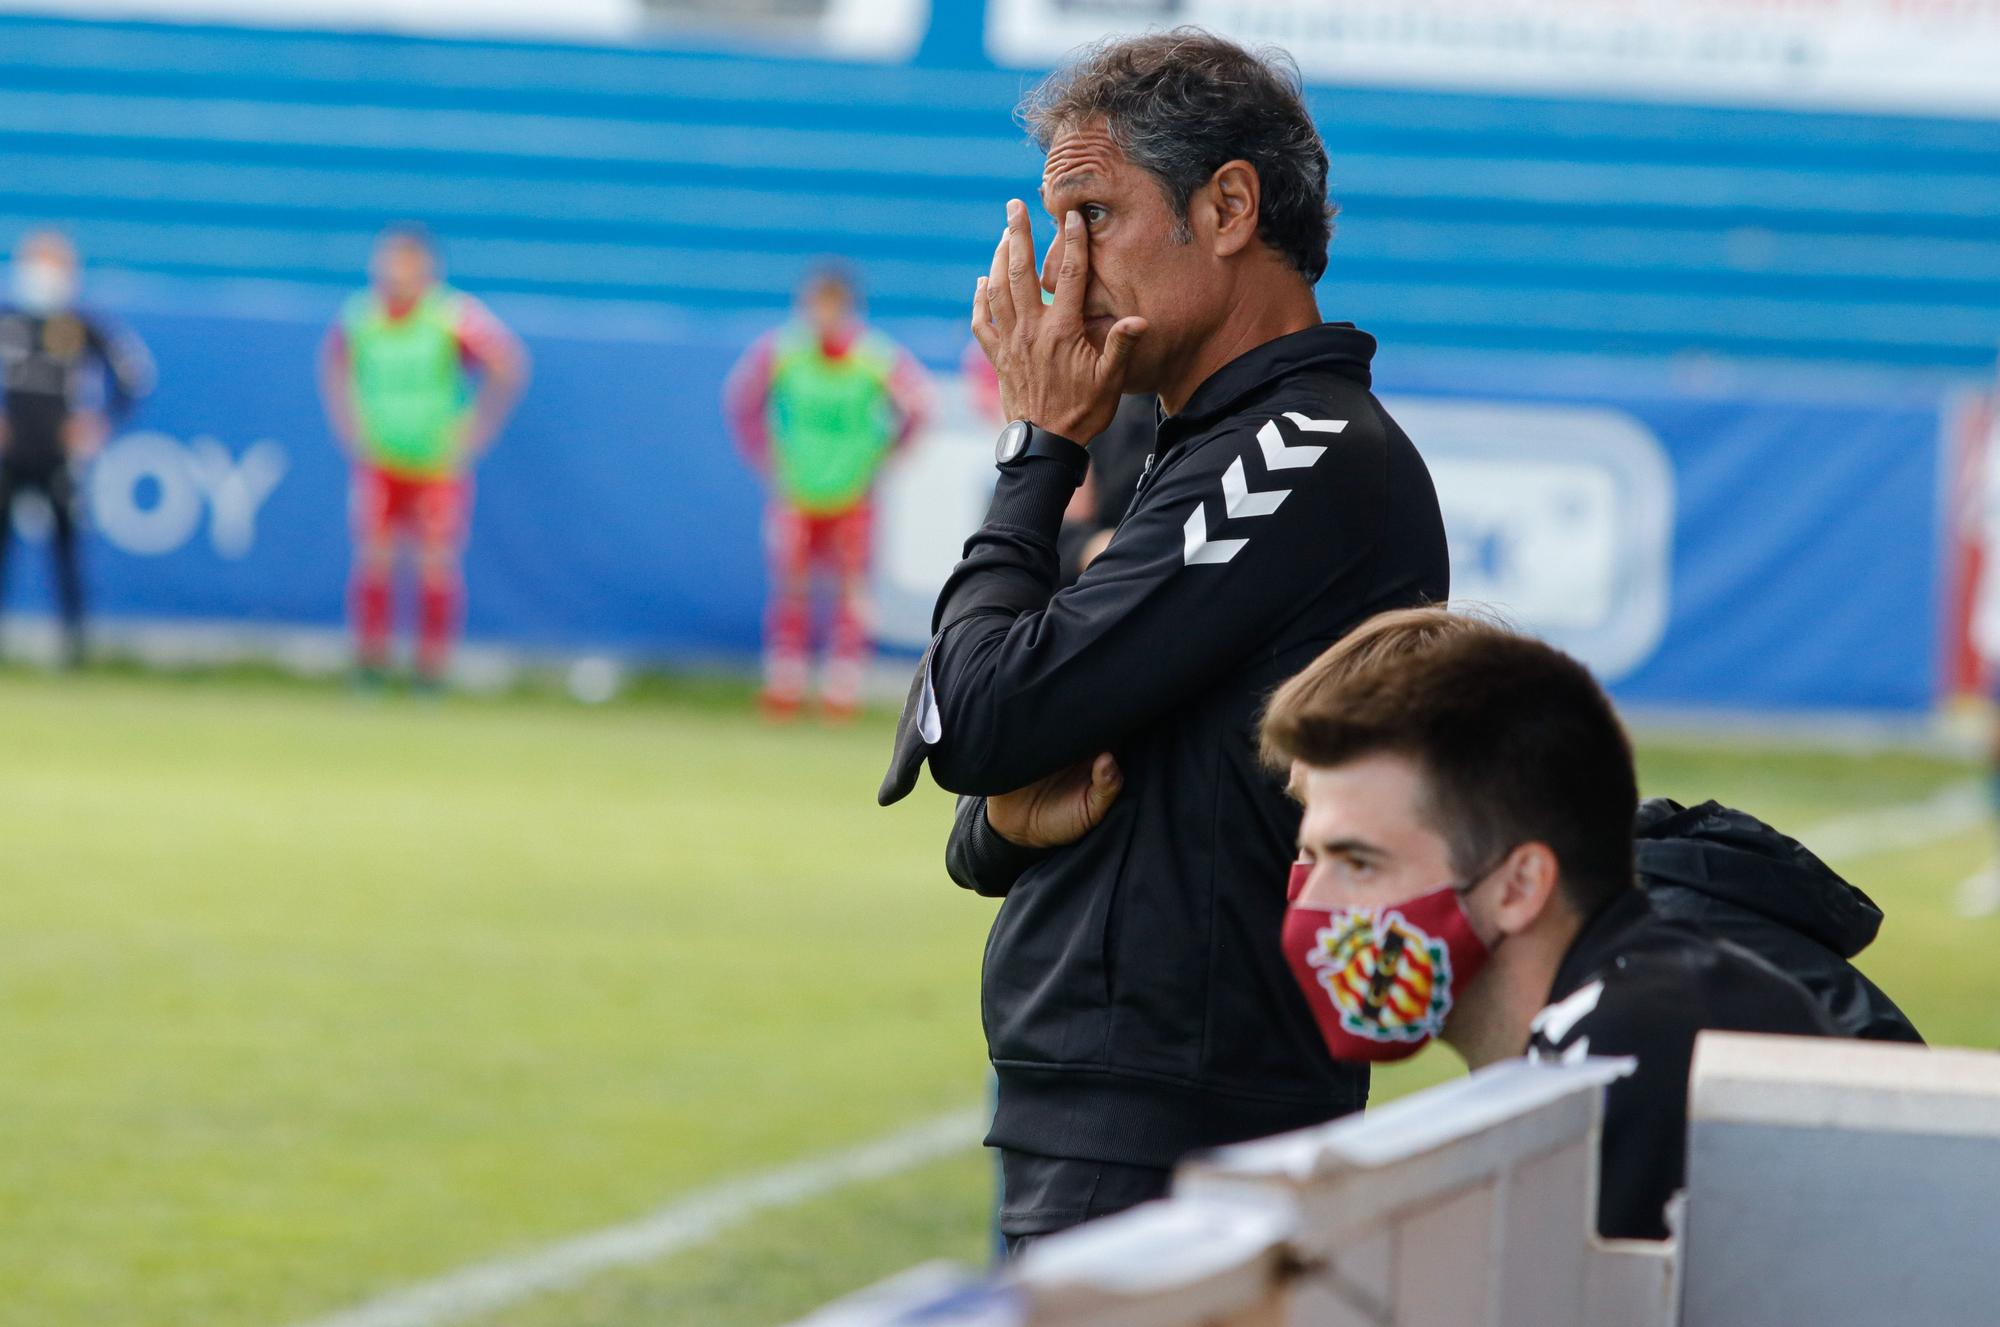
1032 495
984 862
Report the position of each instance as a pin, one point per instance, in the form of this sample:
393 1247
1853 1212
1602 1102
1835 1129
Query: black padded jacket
1742 880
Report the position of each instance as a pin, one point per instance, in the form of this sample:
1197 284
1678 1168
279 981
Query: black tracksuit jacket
1135 1000
45 363
1634 983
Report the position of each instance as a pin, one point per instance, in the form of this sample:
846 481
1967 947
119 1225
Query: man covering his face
1133 1008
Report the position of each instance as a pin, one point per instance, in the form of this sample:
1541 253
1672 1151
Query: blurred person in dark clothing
57 364
1118 457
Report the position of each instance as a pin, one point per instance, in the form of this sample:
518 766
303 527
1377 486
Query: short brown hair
1182 104
1516 741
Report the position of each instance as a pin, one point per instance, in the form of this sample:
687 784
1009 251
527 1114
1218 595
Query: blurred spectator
418 379
818 406
1118 456
1980 894
56 363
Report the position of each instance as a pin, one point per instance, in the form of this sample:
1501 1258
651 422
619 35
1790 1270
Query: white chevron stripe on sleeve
1555 1022
1197 549
1307 424
1238 500
1278 456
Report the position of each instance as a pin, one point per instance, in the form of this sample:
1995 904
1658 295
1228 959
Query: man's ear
1528 883
1232 197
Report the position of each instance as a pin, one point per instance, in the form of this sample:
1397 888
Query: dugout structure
1829 1181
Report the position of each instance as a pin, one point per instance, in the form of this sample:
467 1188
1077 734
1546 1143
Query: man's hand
1092 547
1059 809
1050 374
504 373
336 393
83 435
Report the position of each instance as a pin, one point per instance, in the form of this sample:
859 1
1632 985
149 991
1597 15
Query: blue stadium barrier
1798 567
709 181
614 514
639 212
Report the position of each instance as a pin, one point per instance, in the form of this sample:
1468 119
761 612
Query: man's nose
1321 889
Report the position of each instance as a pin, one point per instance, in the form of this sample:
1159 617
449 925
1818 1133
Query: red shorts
433 511
801 541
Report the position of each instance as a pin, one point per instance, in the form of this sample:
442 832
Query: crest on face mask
1389 980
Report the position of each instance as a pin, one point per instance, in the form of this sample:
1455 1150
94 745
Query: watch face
1013 441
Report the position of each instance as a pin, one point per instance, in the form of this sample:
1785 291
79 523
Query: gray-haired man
1136 1004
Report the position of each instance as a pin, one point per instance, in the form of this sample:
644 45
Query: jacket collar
1733 857
1341 347
1600 936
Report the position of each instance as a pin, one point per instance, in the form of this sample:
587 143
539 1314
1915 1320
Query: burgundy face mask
1381 981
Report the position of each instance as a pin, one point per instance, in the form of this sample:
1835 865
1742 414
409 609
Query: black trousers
1042 1195
59 490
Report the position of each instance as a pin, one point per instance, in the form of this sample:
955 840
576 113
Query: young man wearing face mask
1466 873
56 363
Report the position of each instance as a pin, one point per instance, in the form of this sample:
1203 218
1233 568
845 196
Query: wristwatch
1021 440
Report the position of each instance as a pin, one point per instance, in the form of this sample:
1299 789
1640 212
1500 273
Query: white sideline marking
1956 807
488 1286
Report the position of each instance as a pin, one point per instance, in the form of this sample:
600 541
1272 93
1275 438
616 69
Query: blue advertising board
613 513
1706 549
1734 550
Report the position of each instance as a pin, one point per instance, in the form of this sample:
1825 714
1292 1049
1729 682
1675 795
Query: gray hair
1182 103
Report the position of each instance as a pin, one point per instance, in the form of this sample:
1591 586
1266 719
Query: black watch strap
1021 441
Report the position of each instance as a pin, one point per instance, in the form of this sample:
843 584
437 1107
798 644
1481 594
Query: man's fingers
1074 271
1023 279
1106 782
999 296
1117 358
982 320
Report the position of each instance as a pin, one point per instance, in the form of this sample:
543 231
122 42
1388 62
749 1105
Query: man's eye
1091 213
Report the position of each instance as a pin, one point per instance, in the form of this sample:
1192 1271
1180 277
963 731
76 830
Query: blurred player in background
57 363
818 406
418 379
1979 896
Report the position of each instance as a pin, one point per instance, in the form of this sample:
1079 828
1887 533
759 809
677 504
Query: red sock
787 630
368 604
847 654
437 625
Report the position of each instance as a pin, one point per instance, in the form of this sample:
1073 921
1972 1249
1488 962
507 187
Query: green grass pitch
305 997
